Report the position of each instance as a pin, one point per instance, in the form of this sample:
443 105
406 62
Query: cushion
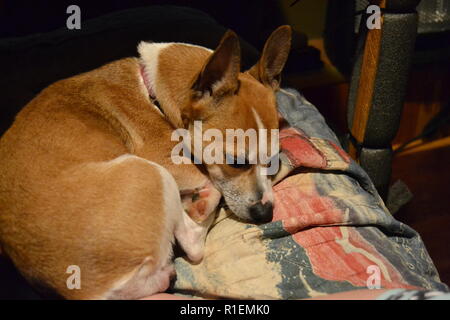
331 232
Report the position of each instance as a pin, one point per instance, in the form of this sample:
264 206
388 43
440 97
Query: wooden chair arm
378 86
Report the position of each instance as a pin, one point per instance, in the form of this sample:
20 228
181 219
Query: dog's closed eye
243 166
238 162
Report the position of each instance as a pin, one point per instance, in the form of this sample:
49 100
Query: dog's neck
169 71
148 85
147 81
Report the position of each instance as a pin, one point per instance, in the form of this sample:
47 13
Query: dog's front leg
191 236
200 206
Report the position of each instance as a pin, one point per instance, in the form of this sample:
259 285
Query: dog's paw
202 203
164 276
195 255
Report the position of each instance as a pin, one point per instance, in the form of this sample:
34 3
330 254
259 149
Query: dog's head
230 115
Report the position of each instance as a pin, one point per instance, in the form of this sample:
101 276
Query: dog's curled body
67 171
78 187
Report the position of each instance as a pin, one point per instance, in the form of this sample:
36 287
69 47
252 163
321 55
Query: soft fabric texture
403 294
330 227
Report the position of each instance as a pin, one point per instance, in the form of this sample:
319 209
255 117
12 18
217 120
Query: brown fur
61 199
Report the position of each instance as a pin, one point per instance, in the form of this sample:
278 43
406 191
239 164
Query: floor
427 175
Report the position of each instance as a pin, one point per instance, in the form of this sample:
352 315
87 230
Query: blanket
331 232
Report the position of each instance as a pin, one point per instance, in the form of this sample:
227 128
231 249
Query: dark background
36 49
251 19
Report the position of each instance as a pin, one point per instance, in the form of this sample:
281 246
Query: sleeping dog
87 181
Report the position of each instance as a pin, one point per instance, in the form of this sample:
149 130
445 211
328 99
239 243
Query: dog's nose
260 213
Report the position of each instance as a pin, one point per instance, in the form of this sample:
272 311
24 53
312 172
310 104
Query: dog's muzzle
261 213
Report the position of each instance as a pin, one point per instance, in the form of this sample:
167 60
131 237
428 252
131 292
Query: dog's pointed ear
219 74
275 53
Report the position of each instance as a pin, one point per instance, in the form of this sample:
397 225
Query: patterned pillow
330 232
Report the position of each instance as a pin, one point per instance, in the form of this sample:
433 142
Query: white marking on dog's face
264 182
243 188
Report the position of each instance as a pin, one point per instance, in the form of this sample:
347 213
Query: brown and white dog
87 179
